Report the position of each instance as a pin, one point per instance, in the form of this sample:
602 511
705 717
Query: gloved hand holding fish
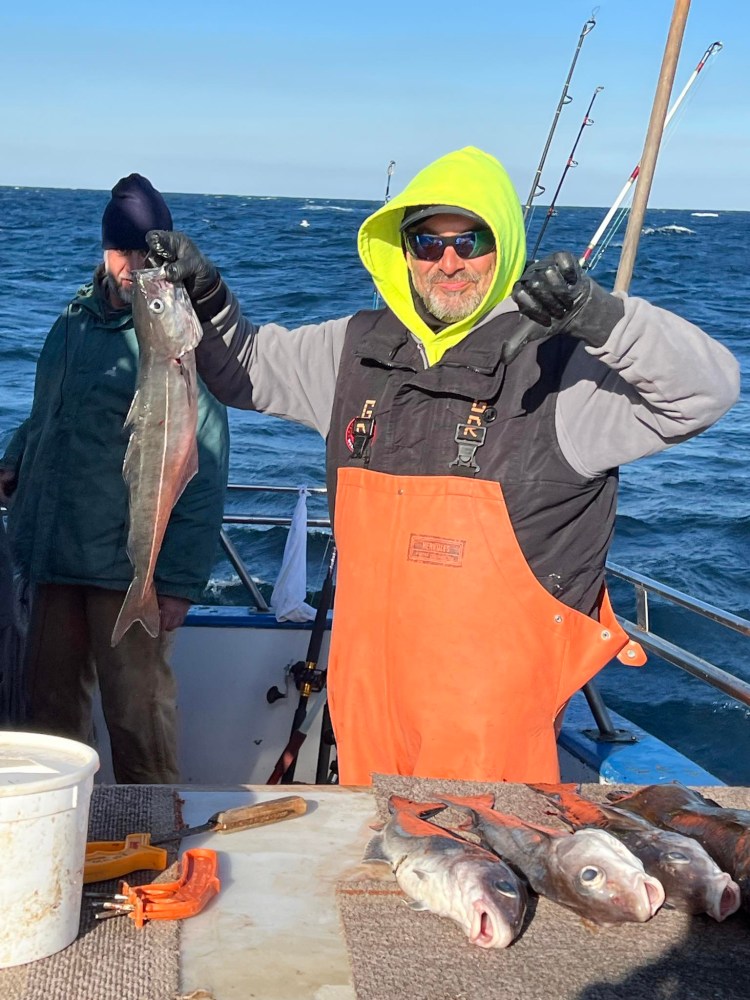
162 454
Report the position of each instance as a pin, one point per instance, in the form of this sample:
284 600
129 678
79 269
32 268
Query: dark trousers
69 648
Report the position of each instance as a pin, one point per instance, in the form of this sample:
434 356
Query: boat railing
259 520
641 631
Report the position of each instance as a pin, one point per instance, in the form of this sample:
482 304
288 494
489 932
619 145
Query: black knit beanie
134 208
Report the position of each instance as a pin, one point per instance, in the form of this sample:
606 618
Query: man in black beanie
135 202
68 520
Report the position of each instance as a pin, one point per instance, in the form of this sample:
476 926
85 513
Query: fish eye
505 887
677 856
156 305
591 876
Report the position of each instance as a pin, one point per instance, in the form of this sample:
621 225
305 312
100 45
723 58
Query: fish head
598 877
692 880
491 902
163 316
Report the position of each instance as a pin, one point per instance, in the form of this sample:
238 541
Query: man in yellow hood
473 426
464 192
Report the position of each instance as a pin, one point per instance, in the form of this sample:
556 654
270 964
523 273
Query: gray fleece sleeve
657 380
286 373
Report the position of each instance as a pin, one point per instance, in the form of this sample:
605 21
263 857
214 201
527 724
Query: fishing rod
587 120
536 187
308 678
389 173
528 327
586 260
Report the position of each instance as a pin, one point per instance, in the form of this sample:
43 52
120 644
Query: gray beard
123 294
448 312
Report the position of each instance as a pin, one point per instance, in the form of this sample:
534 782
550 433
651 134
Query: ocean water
684 516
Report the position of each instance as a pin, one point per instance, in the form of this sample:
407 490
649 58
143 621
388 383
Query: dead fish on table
589 871
724 833
162 454
692 880
448 875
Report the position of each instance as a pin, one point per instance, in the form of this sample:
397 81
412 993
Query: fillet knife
243 818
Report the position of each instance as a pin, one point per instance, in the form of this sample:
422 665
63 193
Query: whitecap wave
327 208
672 229
706 215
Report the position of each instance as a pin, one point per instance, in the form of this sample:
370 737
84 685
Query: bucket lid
33 762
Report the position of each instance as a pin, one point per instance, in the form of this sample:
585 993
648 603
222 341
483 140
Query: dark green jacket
69 517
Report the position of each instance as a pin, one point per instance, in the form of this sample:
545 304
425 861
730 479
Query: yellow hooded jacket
469 179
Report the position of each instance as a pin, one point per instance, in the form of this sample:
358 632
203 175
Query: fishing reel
305 674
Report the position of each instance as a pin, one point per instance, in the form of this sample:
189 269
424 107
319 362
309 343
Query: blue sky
314 99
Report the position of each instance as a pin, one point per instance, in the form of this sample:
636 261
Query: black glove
554 296
183 262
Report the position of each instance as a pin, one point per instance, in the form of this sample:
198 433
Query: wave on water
705 215
673 228
326 208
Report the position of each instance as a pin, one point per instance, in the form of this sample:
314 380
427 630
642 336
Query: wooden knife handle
259 814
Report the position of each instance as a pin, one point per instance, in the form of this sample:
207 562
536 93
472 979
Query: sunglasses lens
426 246
474 244
464 245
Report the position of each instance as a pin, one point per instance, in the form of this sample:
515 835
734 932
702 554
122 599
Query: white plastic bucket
45 792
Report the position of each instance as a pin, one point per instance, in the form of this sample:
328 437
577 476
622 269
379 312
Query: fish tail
139 606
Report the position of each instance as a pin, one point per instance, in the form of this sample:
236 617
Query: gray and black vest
470 414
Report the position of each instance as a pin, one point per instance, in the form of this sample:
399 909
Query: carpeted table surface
399 953
111 959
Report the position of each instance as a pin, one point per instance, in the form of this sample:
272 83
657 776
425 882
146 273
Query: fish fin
543 831
132 458
705 798
375 851
191 468
397 803
133 410
138 607
572 808
416 905
469 801
474 805
617 796
553 791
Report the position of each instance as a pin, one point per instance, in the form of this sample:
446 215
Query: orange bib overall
448 658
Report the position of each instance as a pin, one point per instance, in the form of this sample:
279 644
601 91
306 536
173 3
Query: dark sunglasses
426 246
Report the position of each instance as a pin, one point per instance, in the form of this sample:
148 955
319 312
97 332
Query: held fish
162 454
692 880
589 871
724 833
449 876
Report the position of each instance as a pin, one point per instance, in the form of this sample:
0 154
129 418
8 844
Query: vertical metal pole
651 147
